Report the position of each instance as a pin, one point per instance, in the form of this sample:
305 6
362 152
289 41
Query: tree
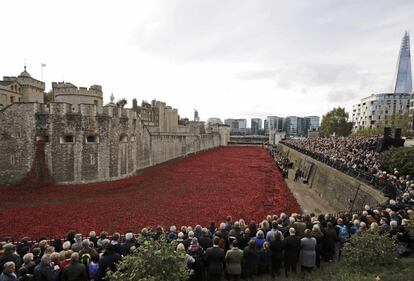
400 158
336 122
49 97
152 261
394 121
121 103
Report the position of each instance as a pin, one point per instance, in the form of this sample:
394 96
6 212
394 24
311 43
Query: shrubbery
369 249
400 158
152 261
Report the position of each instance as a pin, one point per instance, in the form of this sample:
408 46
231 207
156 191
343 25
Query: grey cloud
256 75
341 95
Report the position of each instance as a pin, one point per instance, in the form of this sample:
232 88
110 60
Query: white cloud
221 57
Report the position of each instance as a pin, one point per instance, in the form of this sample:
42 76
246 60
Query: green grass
403 270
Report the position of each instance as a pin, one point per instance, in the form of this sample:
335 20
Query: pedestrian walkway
307 197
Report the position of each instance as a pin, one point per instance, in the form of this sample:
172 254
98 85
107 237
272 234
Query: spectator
8 273
77 246
308 251
234 259
292 246
45 271
10 255
215 260
276 246
75 271
109 258
28 263
250 260
265 259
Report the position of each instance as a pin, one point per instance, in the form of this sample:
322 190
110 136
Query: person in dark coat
250 260
215 261
317 233
9 255
129 242
108 260
74 271
265 259
45 272
205 240
276 246
329 240
292 250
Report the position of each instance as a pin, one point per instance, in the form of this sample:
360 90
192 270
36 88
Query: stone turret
69 93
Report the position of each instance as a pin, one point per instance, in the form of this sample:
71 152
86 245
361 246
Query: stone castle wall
334 186
88 143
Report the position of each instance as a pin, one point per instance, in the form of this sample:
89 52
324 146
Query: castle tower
403 78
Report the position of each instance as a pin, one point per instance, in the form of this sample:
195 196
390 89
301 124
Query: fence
386 187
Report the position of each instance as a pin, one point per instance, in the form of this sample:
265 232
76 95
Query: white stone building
379 108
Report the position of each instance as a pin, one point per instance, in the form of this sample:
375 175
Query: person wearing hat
197 253
10 255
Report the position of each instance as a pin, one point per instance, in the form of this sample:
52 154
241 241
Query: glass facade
403 80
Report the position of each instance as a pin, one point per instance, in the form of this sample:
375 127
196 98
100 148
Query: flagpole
41 70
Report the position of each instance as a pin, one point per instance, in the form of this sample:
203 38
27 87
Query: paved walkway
307 197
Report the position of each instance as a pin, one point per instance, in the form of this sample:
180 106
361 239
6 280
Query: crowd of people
233 250
355 154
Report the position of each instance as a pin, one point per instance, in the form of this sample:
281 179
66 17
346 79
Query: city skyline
287 59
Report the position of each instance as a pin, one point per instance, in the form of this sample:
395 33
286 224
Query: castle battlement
65 88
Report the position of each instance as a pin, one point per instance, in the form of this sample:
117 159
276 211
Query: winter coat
308 252
234 259
250 261
74 272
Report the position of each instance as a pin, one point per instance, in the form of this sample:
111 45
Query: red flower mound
239 181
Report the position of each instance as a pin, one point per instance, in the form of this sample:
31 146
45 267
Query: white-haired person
45 271
93 238
128 244
8 273
28 262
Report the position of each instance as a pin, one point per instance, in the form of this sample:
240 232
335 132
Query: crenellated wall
86 143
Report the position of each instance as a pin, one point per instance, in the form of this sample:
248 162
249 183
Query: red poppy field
239 181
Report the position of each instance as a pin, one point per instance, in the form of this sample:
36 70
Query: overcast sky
238 59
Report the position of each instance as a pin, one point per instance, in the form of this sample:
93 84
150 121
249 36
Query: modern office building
380 108
266 127
275 123
237 126
214 120
403 77
311 124
255 126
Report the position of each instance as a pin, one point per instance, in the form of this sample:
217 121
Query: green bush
400 158
152 261
368 249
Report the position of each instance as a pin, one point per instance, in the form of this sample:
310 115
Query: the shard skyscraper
403 79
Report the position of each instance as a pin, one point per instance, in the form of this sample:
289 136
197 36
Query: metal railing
386 187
